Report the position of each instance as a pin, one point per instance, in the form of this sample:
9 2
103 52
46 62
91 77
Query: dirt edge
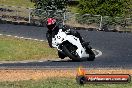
18 75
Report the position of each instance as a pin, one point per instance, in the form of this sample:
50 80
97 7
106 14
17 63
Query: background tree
50 8
46 5
114 12
104 7
128 8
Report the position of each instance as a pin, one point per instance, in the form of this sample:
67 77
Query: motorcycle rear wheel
91 54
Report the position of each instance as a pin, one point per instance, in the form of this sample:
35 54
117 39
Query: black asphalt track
116 48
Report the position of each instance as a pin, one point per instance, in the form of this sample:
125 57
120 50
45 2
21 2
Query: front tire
70 55
61 55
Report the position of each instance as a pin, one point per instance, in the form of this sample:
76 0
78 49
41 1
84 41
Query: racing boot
80 38
85 44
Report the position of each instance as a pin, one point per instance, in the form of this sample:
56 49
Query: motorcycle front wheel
70 51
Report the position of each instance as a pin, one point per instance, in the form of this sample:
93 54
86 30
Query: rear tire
70 55
91 55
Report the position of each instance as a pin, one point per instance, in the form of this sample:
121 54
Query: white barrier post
100 23
64 19
29 16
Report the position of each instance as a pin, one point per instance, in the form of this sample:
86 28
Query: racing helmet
51 23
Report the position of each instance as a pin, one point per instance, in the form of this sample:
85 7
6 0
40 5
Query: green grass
58 83
13 49
22 3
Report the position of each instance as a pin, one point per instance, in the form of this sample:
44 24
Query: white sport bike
69 45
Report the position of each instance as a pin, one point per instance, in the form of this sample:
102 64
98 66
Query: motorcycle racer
53 30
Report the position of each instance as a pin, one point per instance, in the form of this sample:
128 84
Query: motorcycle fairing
62 37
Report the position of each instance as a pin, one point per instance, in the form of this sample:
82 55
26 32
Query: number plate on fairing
59 38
